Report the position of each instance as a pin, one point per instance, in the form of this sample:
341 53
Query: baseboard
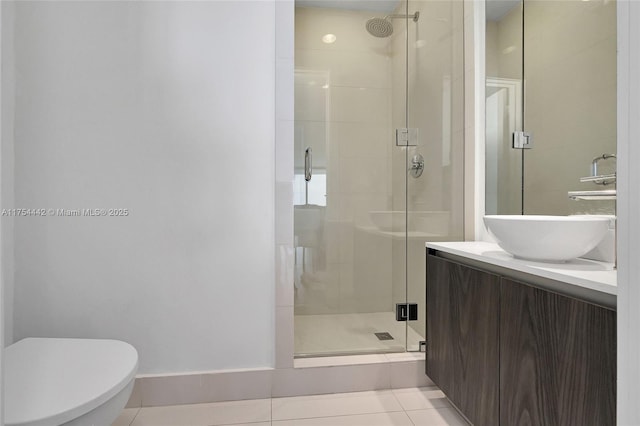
311 376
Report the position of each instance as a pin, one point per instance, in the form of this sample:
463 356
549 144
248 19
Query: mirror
550 73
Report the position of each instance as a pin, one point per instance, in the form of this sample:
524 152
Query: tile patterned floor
398 407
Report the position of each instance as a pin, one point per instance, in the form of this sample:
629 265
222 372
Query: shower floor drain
384 336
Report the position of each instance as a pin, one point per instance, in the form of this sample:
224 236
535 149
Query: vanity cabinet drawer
462 332
557 359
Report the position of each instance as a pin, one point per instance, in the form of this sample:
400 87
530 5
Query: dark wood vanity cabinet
462 337
557 359
508 353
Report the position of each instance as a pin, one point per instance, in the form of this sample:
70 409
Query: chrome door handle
308 167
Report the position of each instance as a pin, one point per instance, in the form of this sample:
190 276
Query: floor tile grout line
410 419
339 415
343 396
428 408
236 424
417 388
136 415
338 395
397 399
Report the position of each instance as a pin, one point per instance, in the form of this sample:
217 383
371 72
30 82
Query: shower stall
379 133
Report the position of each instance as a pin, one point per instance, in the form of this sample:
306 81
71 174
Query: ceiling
386 6
497 9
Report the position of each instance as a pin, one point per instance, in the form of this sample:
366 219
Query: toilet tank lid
53 381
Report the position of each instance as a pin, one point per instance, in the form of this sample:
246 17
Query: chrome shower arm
415 16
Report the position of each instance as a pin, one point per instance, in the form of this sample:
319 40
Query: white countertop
591 274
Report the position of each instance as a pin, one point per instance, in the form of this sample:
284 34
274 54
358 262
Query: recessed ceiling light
329 38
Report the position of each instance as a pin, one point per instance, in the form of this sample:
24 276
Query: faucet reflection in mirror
598 179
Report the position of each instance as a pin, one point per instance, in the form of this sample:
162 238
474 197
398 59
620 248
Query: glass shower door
433 166
344 223
378 169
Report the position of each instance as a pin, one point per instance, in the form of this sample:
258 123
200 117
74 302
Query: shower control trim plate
407 137
417 166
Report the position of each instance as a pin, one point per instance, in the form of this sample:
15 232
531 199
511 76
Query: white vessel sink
547 238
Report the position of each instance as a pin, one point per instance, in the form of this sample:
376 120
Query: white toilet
71 382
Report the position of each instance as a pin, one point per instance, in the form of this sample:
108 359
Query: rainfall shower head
382 27
379 27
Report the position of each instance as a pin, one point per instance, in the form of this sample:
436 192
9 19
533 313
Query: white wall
5 325
6 166
167 109
628 391
2 286
284 147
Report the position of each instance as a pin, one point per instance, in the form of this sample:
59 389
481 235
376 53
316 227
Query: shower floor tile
351 334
